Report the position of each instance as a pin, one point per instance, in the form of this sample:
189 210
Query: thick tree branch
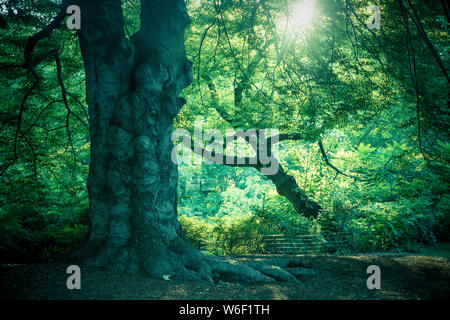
285 184
444 4
416 20
30 65
325 157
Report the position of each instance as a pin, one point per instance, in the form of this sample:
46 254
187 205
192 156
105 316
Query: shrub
196 229
239 234
31 236
401 224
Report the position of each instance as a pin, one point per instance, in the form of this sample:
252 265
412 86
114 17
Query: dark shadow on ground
338 277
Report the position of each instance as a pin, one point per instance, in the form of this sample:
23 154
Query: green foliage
383 226
35 236
196 229
377 100
238 234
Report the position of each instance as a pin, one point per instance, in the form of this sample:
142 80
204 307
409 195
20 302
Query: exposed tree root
184 262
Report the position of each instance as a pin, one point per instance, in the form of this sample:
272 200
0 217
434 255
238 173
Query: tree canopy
362 115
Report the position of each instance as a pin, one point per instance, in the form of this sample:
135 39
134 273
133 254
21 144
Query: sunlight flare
302 13
299 17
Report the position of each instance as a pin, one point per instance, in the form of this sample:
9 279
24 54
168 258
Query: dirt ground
338 277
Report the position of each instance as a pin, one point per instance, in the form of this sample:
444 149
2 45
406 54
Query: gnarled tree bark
132 92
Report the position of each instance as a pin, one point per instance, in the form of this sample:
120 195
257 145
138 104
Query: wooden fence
294 244
299 243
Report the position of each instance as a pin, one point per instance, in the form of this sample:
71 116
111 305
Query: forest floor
403 276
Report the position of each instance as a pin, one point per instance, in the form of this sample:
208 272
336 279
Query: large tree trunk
132 93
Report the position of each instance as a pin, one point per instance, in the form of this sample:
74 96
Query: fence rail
294 243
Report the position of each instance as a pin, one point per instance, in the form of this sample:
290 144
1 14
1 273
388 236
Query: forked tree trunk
132 93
